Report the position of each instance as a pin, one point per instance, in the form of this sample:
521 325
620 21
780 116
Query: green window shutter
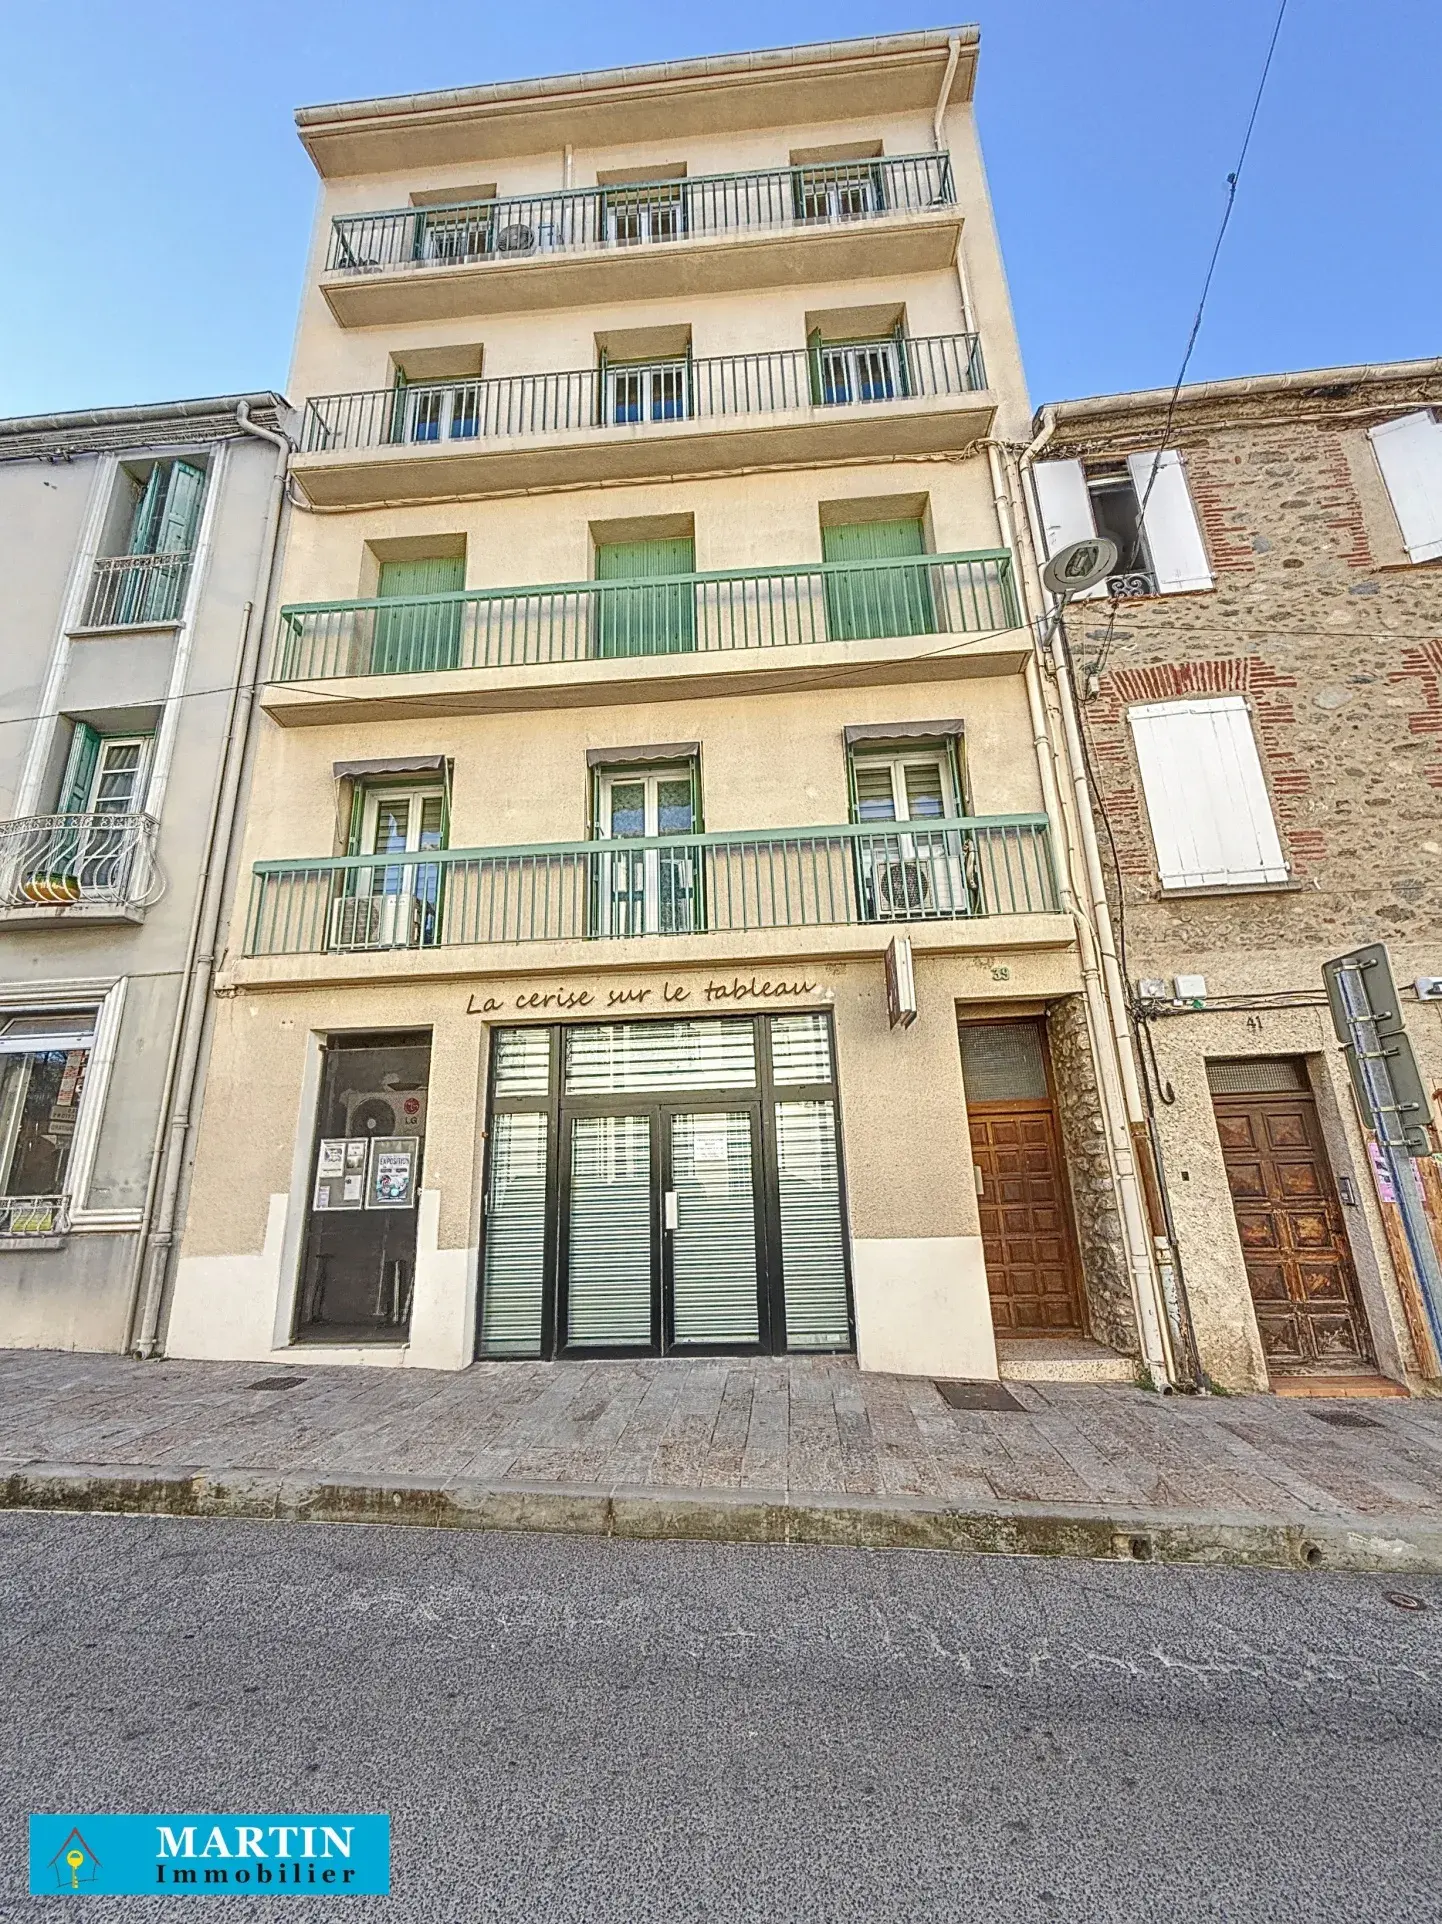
868 603
79 769
419 640
813 365
903 362
659 619
146 518
180 515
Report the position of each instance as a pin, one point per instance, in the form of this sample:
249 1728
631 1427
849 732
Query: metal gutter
1303 383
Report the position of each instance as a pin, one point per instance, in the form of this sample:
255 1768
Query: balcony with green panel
644 240
875 609
677 415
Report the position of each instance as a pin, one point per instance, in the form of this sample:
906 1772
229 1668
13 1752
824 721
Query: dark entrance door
1026 1227
1299 1268
664 1186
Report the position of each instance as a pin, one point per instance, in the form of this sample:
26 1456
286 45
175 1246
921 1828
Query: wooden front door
1299 1268
1026 1227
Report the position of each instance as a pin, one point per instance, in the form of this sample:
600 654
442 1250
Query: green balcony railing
638 214
450 414
943 870
576 621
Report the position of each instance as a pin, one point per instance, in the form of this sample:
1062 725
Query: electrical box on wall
1429 988
1189 988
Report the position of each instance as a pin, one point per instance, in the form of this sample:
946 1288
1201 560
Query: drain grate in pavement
1346 1419
978 1396
276 1383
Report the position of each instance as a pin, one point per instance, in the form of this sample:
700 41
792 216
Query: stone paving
803 1426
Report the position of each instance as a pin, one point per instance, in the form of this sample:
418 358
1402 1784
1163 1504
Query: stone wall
1094 1203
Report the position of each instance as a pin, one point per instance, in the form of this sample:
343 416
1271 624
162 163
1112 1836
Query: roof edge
1303 381
705 67
142 414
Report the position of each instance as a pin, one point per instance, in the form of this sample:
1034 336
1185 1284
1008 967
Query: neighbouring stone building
1261 695
655 662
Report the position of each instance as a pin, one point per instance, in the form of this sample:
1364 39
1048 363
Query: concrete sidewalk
774 1449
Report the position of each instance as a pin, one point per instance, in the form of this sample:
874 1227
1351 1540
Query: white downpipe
1112 1054
953 54
156 1242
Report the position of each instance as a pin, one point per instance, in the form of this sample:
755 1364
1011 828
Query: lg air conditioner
388 1111
914 880
375 922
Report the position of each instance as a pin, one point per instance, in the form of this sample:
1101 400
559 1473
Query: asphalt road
567 1730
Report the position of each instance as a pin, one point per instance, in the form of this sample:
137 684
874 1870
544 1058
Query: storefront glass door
659 1187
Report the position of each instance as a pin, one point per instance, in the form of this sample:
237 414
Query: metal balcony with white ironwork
77 867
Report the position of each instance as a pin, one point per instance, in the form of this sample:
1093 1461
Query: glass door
656 392
610 1296
921 873
396 905
442 413
712 1232
864 371
648 891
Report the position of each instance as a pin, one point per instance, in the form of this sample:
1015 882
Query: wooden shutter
1207 801
1409 453
79 770
425 639
440 575
1179 558
877 602
1066 507
147 512
656 620
180 516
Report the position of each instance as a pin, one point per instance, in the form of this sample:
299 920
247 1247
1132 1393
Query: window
43 1060
422 635
456 233
652 891
1409 453
636 216
1207 801
153 528
95 849
658 618
844 190
856 371
657 391
867 601
392 905
925 871
1159 552
440 413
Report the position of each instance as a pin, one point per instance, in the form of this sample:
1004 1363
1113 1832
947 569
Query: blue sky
160 203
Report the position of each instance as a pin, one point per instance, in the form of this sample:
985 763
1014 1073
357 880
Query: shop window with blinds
665 1186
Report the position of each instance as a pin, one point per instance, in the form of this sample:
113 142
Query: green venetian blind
657 619
419 640
868 602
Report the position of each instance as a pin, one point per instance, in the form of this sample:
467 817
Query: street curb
1401 1545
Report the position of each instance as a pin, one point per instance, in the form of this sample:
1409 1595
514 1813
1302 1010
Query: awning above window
639 757
928 731
390 765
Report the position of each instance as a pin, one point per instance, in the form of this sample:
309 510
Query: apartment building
137 545
660 938
1261 691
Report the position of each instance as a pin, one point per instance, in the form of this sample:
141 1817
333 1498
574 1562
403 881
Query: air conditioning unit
385 1112
516 239
919 883
375 922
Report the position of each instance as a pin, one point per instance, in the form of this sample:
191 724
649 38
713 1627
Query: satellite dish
1079 566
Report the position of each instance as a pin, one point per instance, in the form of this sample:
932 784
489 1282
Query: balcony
136 590
711 897
77 868
707 234
929 617
34 1222
433 441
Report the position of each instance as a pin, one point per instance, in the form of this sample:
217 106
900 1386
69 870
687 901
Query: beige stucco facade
768 727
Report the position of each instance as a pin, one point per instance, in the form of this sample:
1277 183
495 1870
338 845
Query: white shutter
1179 558
1207 801
1066 507
1066 510
1409 453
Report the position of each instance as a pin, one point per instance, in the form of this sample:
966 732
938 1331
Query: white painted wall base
236 1308
922 1307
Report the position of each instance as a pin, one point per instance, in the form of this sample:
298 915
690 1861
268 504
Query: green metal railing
638 214
940 871
451 413
665 615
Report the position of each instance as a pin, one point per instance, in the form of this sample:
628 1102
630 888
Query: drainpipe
953 54
167 1162
1111 1045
